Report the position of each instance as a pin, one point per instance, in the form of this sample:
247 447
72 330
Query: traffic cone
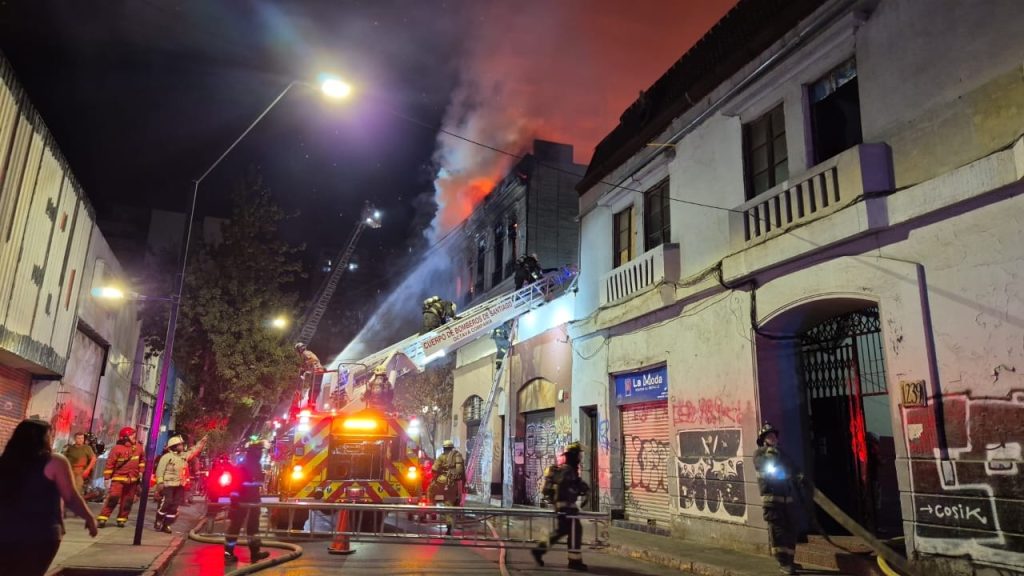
341 545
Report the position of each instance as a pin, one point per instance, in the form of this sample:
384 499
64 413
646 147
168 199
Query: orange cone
341 545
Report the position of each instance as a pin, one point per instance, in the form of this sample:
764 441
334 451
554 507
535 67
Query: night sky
142 95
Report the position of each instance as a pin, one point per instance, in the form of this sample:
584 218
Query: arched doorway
536 406
822 375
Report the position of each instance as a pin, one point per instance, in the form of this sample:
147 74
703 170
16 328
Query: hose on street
294 551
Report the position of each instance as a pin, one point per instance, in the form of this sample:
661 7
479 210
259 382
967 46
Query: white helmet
174 441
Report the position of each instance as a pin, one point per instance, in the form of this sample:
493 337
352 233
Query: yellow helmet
380 371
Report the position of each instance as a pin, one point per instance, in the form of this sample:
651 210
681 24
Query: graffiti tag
649 468
603 441
710 471
707 412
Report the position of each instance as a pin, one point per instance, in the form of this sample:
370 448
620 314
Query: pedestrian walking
775 480
122 474
246 491
172 476
563 486
83 459
449 471
33 482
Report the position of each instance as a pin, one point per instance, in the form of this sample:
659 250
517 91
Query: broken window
656 216
835 111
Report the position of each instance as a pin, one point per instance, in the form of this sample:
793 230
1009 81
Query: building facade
826 236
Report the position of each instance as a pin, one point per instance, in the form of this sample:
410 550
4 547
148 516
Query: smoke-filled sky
142 95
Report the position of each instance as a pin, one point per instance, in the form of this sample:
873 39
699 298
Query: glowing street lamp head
108 293
335 88
279 322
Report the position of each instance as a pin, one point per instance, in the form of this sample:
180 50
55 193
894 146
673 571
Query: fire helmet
300 346
379 371
573 448
448 444
126 432
174 441
765 430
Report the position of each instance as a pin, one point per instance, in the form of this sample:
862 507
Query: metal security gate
645 435
540 451
843 365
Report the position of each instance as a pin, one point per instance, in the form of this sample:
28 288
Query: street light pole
340 90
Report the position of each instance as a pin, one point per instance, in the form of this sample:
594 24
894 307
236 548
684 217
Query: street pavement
112 549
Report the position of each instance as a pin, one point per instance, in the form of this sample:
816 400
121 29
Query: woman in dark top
33 481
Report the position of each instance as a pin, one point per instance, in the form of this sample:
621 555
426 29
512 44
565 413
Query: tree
229 356
430 390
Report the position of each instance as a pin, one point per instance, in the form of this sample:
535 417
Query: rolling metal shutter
645 432
540 451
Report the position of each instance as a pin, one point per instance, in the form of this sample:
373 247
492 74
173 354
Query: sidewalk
112 552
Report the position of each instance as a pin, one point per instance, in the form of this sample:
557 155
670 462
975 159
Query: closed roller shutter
540 451
14 393
645 433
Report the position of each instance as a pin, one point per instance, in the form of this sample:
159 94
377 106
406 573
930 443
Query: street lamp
280 322
330 86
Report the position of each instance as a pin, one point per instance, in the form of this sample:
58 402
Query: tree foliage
225 348
430 389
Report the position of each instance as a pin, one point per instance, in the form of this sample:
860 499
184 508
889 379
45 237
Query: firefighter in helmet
312 373
563 486
433 314
378 393
172 475
777 481
122 475
246 491
449 473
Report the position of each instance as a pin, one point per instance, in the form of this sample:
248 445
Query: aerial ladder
370 218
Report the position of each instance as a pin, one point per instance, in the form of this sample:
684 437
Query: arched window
472 410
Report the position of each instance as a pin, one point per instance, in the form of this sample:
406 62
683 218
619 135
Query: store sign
645 386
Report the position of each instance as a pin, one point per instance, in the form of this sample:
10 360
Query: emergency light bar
364 424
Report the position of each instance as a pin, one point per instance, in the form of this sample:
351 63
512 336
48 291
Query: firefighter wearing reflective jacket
562 486
776 476
122 473
172 474
449 471
246 491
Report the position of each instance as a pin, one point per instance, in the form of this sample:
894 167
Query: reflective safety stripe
575 555
781 550
773 499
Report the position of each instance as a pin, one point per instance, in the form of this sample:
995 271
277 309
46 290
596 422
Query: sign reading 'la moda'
643 386
473 325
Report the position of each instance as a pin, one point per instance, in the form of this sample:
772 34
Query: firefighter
502 343
433 314
528 270
122 474
562 486
172 474
312 373
775 477
378 390
448 311
449 471
246 490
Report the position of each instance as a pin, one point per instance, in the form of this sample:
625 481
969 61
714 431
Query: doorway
848 421
588 439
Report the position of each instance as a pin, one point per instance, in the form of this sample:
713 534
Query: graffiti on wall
541 439
973 502
603 441
647 472
707 412
710 469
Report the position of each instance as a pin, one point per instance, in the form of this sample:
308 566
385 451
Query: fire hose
294 552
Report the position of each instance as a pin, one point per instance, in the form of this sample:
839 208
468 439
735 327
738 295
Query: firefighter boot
101 523
577 565
538 555
255 555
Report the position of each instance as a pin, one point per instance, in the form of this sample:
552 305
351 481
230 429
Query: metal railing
480 527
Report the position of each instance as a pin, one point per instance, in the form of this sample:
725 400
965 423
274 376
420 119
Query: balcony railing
824 189
641 274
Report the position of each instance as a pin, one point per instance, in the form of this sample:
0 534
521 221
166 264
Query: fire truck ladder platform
474 322
480 527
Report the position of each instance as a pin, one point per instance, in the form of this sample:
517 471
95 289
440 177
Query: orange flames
562 71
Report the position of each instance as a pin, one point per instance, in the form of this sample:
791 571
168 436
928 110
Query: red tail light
225 479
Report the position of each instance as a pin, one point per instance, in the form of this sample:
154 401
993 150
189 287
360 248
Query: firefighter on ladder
562 486
449 471
312 374
122 474
775 480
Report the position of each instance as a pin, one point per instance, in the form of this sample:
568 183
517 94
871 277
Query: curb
670 561
161 562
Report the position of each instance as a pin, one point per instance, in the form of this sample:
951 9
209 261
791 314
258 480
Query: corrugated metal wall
645 431
45 226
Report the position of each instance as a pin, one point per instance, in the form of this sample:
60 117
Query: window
765 154
623 237
472 409
481 254
656 216
835 112
499 255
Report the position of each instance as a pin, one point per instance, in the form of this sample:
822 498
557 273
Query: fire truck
366 456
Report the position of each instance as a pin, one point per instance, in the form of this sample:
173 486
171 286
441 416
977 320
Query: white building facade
814 218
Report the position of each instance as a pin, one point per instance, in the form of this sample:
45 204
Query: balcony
822 190
653 267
